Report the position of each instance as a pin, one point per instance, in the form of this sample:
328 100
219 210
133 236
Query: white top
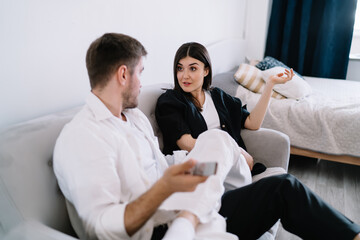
209 113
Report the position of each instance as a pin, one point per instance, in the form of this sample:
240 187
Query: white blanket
327 121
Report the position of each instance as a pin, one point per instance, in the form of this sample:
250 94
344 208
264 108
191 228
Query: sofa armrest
270 147
29 230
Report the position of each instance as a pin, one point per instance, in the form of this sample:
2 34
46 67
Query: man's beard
130 101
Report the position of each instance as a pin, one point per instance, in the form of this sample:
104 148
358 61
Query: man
115 178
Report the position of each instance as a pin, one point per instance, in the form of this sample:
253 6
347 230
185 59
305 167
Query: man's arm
175 179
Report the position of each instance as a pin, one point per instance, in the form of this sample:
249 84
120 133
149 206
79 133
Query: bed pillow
296 88
270 62
251 78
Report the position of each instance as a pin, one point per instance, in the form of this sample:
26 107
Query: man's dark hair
107 53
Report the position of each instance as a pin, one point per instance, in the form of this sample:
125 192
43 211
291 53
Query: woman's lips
186 84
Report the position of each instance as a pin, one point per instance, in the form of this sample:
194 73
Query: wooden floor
336 183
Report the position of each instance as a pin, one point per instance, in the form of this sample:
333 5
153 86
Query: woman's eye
193 68
179 68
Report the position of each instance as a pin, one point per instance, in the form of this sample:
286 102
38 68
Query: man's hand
177 178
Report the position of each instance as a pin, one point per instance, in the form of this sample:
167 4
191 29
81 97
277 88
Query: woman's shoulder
215 91
170 95
218 93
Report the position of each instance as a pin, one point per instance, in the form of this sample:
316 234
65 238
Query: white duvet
327 120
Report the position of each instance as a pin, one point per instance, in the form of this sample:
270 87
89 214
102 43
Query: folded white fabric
204 202
211 146
296 88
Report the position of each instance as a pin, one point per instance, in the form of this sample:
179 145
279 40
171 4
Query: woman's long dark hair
199 52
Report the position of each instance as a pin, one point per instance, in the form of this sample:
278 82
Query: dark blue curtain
312 36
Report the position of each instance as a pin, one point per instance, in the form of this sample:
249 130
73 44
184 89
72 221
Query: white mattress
327 121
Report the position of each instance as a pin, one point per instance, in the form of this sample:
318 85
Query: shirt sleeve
170 115
85 169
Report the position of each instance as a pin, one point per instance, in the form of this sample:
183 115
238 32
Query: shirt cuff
111 223
181 229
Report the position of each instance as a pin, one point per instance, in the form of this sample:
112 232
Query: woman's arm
256 117
186 142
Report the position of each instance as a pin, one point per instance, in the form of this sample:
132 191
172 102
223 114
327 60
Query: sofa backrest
28 187
27 183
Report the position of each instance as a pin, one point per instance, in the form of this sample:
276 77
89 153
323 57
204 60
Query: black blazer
176 116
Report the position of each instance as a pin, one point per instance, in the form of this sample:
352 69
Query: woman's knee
217 135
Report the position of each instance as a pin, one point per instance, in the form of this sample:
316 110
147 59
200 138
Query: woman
193 107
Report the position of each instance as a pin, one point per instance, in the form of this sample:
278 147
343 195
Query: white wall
256 26
43 44
353 71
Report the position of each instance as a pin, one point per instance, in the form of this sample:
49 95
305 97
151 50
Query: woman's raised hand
282 77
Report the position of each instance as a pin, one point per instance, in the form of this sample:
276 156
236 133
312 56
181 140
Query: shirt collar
100 111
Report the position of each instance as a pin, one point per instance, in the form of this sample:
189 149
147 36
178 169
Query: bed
325 124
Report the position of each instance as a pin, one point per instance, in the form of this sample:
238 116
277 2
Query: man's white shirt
102 163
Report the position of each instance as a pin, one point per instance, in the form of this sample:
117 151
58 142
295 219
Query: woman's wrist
271 82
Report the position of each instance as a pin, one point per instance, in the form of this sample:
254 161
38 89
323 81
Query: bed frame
335 158
227 55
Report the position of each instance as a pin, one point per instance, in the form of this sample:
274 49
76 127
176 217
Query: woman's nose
186 73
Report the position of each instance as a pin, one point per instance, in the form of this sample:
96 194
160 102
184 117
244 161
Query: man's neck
112 102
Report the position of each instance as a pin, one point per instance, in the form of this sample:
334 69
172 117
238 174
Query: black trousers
252 210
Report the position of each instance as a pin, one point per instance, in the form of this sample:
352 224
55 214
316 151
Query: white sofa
31 204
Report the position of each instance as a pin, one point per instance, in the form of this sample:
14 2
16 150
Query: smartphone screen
204 168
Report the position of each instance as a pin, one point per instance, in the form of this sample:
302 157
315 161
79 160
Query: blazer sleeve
170 115
231 108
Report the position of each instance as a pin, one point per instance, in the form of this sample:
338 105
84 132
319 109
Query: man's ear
121 74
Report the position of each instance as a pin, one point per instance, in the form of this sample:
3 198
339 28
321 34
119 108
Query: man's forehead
140 64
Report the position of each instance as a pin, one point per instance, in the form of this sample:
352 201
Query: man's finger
184 167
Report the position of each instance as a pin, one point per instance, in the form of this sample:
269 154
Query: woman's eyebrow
193 64
189 64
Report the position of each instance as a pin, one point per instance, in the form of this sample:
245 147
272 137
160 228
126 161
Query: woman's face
190 75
